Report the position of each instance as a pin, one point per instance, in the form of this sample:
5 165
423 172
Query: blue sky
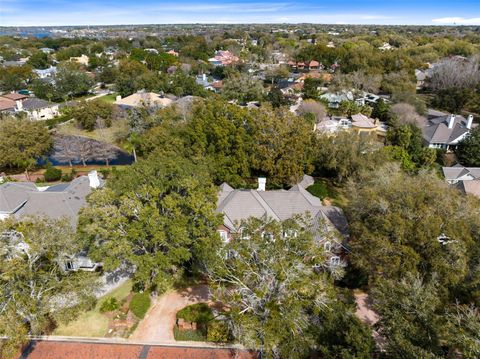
101 12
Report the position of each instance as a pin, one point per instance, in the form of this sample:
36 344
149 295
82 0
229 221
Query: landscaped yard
328 192
109 135
93 323
110 98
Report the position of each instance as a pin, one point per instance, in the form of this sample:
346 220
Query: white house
37 109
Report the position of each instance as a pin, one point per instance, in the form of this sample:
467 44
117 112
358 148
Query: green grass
319 189
93 323
110 135
189 335
198 313
140 304
110 98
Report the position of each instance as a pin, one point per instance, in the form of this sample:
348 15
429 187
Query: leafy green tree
39 60
410 224
70 83
15 78
88 113
468 150
453 99
35 289
310 88
463 330
382 111
346 155
270 285
340 334
22 142
282 143
158 217
243 88
409 317
276 98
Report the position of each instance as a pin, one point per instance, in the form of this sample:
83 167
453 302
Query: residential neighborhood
222 183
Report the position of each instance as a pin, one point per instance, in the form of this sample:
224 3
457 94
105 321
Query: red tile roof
15 96
83 350
6 104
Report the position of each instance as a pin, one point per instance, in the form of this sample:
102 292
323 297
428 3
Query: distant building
42 74
82 60
223 58
143 99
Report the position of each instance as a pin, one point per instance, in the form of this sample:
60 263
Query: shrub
198 313
52 173
218 332
318 189
67 177
140 304
110 304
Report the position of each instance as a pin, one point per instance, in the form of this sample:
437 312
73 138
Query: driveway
157 326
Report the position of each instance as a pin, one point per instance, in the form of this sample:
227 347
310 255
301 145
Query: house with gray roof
466 179
240 204
446 131
37 109
20 199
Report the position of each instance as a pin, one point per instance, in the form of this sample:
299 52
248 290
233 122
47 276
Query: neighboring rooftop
64 200
105 350
140 99
459 172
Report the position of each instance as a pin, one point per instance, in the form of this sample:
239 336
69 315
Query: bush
189 335
196 313
218 332
318 189
52 174
67 177
110 304
140 304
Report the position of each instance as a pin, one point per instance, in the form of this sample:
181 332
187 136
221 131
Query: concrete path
158 324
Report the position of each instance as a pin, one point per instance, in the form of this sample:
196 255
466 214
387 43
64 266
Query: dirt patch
160 319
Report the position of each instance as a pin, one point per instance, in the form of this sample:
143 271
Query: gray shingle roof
239 204
437 130
23 199
453 173
36 103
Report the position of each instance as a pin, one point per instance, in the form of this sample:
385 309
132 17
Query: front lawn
110 98
93 323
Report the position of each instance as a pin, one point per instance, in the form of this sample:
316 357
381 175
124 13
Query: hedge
139 304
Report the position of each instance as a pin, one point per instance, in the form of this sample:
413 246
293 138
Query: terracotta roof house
139 99
240 204
15 96
223 58
363 124
446 131
314 65
7 104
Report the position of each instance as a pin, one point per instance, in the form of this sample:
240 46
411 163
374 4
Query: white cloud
457 20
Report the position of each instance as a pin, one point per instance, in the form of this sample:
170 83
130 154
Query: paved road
157 326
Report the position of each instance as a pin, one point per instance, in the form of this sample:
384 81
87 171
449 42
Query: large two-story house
446 131
240 204
22 199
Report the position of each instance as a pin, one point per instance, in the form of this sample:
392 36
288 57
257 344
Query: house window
69 266
223 236
335 260
327 246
